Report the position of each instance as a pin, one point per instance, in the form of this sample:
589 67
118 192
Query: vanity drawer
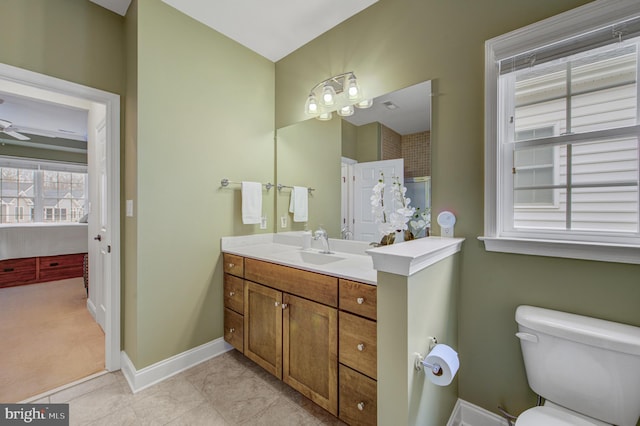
358 343
359 298
310 285
233 264
17 271
234 329
234 293
358 398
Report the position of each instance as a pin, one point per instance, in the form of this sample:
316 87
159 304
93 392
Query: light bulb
353 91
365 103
312 105
328 95
346 111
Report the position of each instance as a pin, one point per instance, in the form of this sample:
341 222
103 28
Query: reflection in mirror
334 156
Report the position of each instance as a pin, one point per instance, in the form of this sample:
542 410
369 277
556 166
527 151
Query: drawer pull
54 264
8 269
231 265
284 306
360 300
360 406
232 330
232 293
360 347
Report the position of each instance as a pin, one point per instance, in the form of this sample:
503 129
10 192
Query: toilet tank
585 364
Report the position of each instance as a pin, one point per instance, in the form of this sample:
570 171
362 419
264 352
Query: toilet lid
552 416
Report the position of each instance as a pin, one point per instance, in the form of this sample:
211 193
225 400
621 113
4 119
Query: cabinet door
310 344
263 327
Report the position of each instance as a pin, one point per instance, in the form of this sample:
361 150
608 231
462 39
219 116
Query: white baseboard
155 373
467 414
91 307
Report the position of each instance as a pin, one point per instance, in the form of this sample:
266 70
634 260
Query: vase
388 239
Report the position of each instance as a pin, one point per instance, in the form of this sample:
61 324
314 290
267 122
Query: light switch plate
263 222
129 208
283 221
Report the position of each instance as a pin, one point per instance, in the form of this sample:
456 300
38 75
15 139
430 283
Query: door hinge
513 170
109 249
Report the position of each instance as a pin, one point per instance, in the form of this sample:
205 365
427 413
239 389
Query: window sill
568 249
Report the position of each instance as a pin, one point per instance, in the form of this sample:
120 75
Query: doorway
103 139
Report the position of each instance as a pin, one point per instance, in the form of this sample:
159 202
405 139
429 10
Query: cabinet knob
232 330
232 293
277 303
361 406
360 347
231 265
284 306
360 300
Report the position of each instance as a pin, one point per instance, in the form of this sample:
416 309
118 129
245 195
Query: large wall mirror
393 136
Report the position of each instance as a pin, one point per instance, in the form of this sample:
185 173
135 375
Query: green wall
444 41
309 155
205 111
73 40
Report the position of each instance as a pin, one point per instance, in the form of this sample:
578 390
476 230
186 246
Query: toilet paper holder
420 362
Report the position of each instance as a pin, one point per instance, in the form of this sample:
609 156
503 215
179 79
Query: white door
99 226
366 175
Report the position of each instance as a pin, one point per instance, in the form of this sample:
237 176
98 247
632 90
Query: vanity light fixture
339 93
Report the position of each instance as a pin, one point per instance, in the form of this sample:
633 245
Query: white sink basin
311 257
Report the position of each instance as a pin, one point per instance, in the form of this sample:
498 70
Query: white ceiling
271 28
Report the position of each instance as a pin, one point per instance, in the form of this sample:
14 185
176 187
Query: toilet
586 369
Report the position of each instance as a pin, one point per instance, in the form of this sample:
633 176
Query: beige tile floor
226 390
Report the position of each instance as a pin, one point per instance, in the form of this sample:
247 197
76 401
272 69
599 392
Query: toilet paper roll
448 361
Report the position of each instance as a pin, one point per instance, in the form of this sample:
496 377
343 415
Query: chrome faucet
321 235
346 234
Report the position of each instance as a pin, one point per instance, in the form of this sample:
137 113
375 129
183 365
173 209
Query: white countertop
348 260
353 260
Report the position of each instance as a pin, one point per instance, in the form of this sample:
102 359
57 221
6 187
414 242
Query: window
562 136
48 191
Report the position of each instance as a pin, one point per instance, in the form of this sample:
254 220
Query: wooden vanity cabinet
310 344
263 327
234 300
291 328
358 353
315 332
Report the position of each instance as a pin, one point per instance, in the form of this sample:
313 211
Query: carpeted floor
47 338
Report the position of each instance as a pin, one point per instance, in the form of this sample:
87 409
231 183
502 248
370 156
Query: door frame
41 83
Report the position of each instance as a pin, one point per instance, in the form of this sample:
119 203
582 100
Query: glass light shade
353 91
346 111
325 116
366 103
311 106
328 95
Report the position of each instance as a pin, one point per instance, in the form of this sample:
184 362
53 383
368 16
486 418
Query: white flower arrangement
421 222
395 220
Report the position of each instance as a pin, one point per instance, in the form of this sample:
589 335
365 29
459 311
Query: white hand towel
251 202
299 204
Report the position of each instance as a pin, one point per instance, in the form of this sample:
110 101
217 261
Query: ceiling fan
6 127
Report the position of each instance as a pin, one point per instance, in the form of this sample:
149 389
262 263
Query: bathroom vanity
314 331
342 328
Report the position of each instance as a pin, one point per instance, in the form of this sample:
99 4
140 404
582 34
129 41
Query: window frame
560 27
